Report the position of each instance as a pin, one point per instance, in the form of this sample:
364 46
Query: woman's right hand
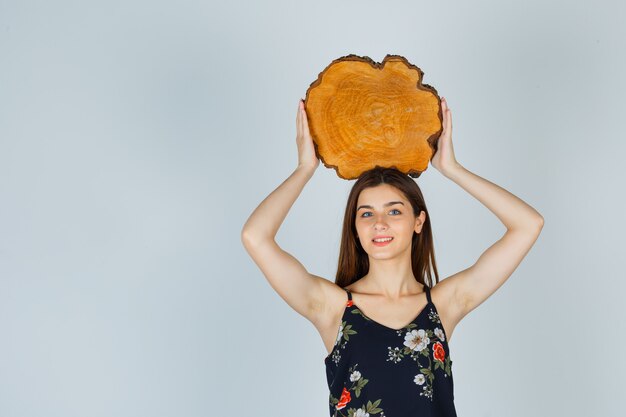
306 150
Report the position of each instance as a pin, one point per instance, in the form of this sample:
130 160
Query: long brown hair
353 260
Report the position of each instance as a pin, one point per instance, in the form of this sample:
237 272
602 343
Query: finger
299 120
443 111
305 119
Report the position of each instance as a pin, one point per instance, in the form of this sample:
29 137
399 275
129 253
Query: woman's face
384 211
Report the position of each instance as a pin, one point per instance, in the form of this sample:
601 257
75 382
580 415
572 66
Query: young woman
377 364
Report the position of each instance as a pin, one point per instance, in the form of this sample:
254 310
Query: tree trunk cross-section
363 114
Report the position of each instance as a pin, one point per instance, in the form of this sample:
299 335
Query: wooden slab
364 114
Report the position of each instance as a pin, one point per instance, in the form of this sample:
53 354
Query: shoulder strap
349 294
427 290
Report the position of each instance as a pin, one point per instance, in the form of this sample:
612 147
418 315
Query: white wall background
137 136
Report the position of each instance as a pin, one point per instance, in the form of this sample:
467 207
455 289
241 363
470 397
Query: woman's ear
419 221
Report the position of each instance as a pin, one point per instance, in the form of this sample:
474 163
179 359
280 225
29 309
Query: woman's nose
380 224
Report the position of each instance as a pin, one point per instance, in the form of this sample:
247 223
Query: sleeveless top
383 372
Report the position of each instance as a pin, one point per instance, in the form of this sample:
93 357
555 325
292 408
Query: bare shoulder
449 302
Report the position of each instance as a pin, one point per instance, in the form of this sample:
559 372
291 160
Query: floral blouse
374 370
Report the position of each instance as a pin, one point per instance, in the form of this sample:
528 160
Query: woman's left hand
444 159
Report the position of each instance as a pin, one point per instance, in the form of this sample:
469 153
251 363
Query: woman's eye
367 212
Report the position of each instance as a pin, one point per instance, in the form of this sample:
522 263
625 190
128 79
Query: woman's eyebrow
391 203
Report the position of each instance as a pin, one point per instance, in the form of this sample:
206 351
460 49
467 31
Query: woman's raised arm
303 291
467 289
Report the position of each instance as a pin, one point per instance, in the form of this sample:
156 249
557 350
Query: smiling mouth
387 240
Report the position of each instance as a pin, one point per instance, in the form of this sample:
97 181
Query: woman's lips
382 243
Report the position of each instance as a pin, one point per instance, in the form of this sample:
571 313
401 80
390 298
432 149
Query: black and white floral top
374 370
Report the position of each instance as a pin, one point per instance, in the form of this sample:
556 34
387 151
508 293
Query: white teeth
383 240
